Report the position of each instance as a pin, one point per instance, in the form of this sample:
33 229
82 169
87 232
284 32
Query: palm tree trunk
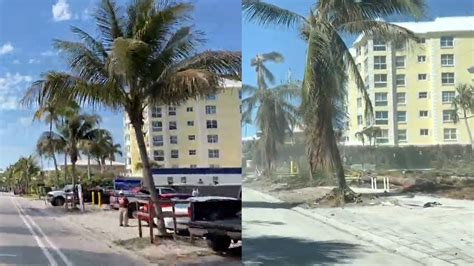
56 169
147 176
88 166
65 168
54 151
469 133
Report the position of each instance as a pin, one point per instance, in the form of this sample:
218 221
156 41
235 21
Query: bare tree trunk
88 166
147 176
469 133
56 168
65 168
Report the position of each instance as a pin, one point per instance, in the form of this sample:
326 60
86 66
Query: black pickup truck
218 219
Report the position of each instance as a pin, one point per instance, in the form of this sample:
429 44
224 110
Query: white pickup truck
58 197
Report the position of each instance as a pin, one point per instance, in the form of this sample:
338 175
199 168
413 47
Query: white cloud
6 48
33 61
16 61
25 121
49 53
11 87
61 11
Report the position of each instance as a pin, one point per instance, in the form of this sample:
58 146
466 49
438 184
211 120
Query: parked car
218 220
58 197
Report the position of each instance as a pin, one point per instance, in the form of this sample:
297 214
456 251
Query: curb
405 251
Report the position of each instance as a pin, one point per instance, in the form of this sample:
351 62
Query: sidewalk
441 235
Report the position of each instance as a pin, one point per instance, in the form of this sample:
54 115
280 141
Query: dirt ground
300 195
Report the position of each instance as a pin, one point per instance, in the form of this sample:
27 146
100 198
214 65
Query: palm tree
328 60
47 145
274 117
463 104
114 149
25 169
263 73
145 56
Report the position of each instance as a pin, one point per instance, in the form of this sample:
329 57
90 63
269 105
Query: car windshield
167 191
67 188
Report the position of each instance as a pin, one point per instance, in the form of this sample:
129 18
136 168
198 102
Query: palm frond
109 21
268 14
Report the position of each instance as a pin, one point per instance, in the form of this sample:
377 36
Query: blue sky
27 28
257 39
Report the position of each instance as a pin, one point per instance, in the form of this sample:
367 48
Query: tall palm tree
114 149
463 104
328 60
275 112
25 169
146 55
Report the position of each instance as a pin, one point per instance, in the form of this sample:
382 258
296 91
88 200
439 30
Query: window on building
401 116
189 109
379 45
183 180
424 132
127 148
213 153
448 96
173 125
156 112
212 138
400 80
448 115
366 82
381 99
449 134
423 95
211 123
159 155
157 126
240 94
170 180
447 78
447 60
158 140
423 113
402 135
190 123
400 62
359 120
215 180
446 42
400 45
191 137
192 152
172 110
401 98
127 137
359 102
380 62
173 139
214 166
380 80
210 109
381 117
366 65
357 51
421 76
382 136
193 166
211 97
421 58
366 48
129 161
174 154
421 40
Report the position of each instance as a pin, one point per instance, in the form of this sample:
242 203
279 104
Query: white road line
46 252
51 244
7 255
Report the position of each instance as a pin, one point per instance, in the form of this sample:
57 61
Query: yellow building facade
411 84
202 133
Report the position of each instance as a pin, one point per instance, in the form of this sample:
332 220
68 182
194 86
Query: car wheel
58 201
218 243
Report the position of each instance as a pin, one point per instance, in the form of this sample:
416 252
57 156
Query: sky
27 28
257 40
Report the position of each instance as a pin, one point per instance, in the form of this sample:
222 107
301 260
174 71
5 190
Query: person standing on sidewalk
123 209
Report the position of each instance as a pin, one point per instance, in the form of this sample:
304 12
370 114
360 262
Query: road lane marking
51 244
7 255
46 252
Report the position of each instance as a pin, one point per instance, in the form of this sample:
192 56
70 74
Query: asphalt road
274 234
29 236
